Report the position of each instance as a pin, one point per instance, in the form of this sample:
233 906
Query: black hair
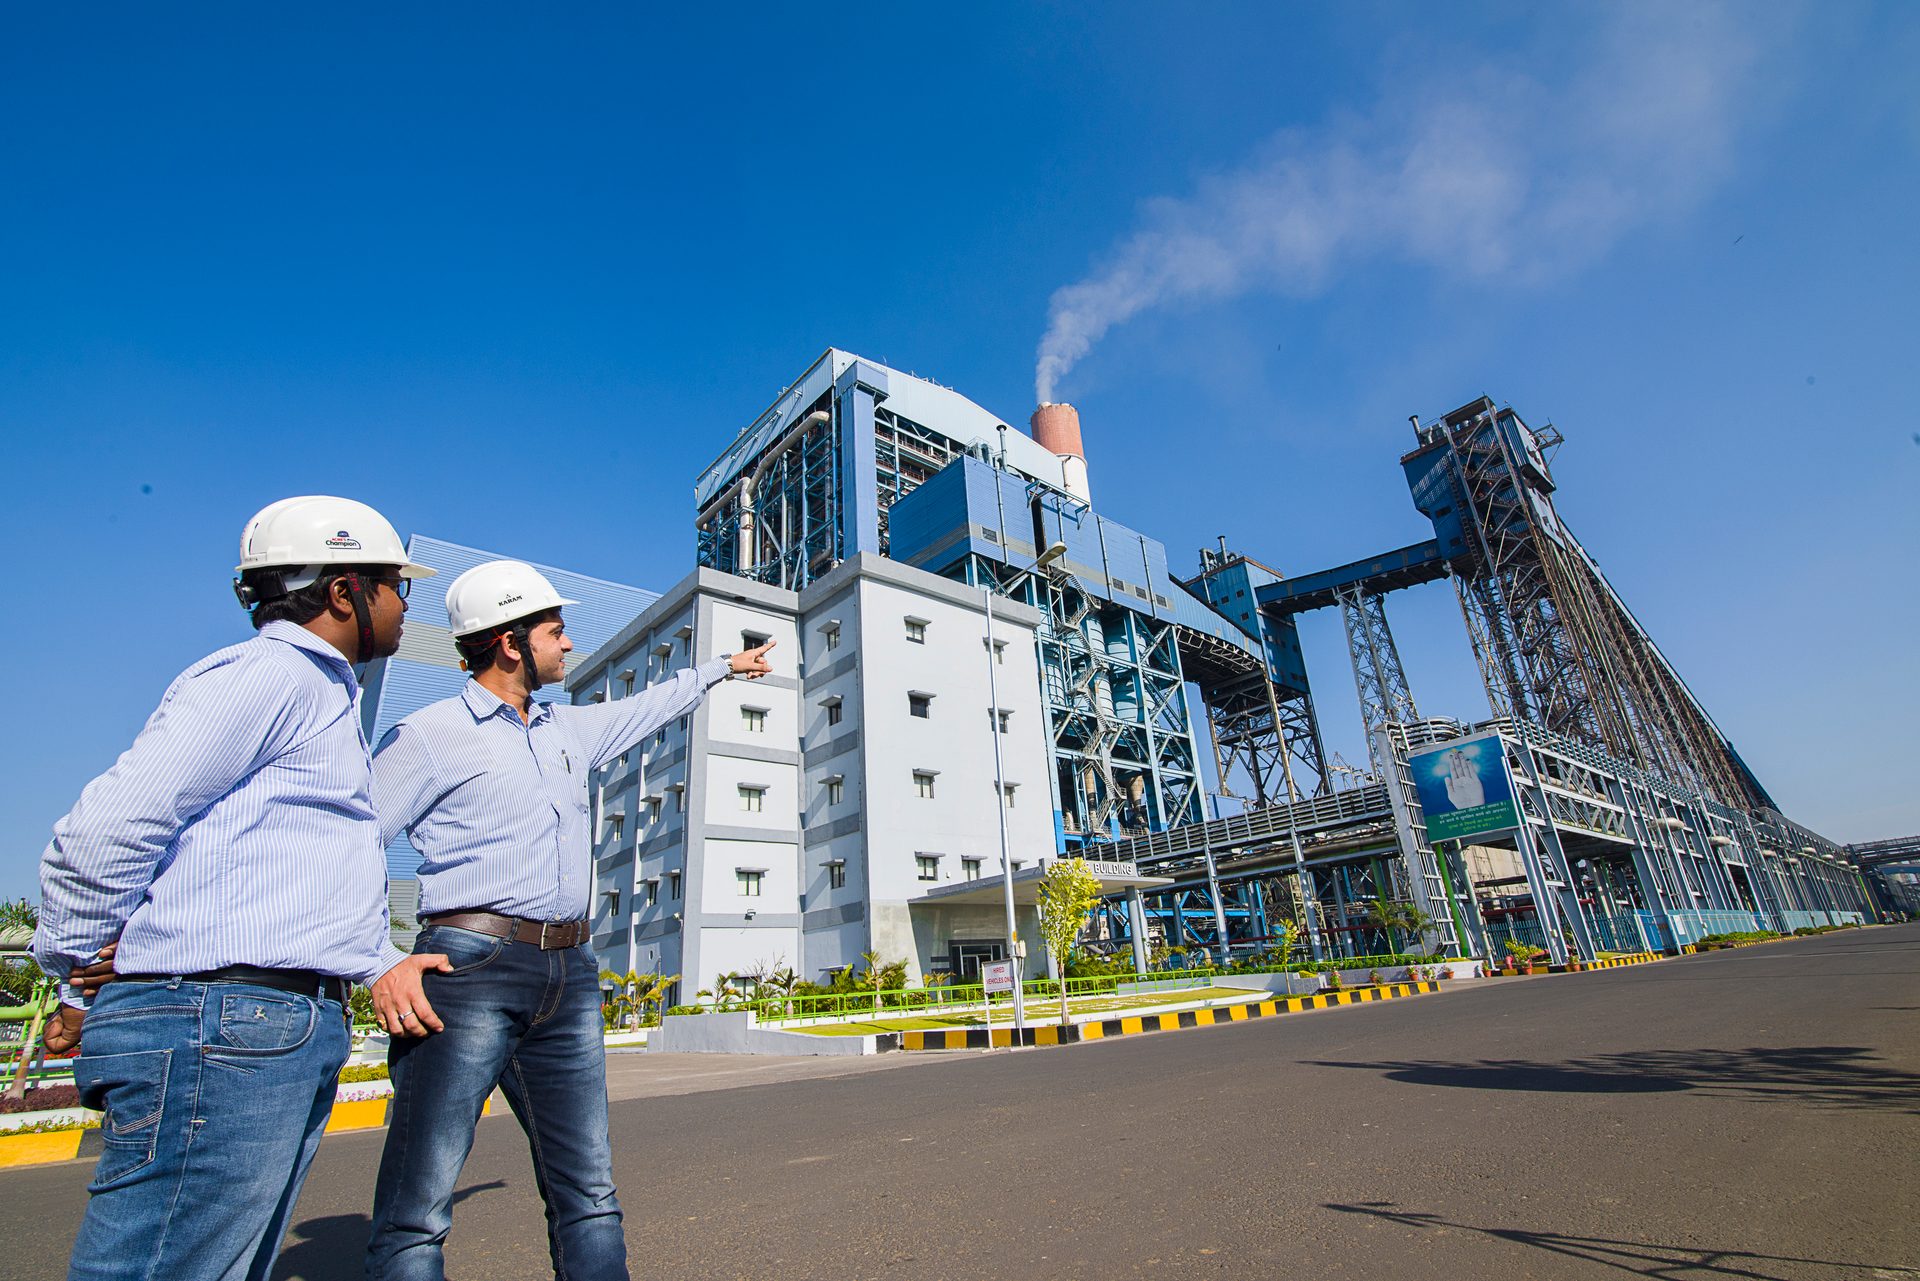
481 650
302 605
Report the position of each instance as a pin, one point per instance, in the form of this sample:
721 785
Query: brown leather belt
546 935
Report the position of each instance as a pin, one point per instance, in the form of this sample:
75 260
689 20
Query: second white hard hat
302 536
496 593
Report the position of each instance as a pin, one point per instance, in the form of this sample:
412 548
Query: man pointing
491 788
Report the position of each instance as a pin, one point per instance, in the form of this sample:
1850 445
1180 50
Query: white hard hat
496 593
302 536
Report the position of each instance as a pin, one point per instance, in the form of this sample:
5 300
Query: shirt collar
483 702
300 638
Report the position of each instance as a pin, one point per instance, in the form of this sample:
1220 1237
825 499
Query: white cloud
1476 173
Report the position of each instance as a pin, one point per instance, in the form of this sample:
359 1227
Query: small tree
1068 892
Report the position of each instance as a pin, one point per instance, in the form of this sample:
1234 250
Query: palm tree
777 985
873 976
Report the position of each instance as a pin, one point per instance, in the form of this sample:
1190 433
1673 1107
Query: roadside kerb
980 1038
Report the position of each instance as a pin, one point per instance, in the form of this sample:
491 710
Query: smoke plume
1474 172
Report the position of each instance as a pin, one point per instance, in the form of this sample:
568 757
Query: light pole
1047 557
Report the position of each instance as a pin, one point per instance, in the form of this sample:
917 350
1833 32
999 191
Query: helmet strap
361 615
529 666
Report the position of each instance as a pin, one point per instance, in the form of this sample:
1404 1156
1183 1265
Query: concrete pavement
1752 1113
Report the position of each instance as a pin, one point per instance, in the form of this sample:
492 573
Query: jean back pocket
131 1090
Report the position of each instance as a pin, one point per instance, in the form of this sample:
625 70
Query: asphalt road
1746 1114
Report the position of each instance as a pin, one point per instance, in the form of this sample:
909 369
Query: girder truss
1556 645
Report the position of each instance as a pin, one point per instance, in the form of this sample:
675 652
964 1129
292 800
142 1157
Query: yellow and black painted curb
979 1038
1612 962
72 1145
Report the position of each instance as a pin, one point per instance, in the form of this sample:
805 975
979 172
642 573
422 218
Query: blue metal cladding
423 673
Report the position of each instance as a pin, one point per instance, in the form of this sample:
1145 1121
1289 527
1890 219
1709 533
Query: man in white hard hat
233 853
491 787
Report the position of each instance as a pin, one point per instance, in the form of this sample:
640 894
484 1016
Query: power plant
912 543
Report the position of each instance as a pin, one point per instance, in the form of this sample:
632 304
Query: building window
753 719
1000 719
626 683
752 640
832 635
999 648
679 799
926 867
836 876
920 705
673 886
752 799
749 882
614 823
1007 791
970 869
923 784
833 711
653 892
836 791
653 809
917 630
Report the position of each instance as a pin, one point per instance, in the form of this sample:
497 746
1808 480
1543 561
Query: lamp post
1047 557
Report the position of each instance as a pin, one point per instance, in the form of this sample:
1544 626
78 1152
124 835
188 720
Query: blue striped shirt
237 830
498 808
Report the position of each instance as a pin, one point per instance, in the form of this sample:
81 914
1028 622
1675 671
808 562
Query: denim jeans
215 1097
530 1021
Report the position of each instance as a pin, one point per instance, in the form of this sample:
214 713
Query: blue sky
514 279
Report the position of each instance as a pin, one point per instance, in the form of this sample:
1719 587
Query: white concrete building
825 802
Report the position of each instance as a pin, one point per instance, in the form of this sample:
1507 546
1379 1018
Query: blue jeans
530 1021
215 1096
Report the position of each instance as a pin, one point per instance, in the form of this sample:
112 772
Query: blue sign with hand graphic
1464 788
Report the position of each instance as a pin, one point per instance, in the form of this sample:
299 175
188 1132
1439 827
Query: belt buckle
544 927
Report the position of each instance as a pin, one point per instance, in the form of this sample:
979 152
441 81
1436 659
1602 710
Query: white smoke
1477 173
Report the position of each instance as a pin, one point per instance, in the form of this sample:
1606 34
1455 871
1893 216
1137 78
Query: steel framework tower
1556 645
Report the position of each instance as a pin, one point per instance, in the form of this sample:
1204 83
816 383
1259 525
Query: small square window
653 892
920 705
753 720
673 886
999 648
679 799
832 635
970 869
1002 719
752 799
615 822
923 785
917 631
653 809
749 883
836 791
926 867
833 711
836 876
752 640
1008 792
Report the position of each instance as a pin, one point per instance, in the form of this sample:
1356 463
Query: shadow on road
1641 1258
1842 1076
334 1247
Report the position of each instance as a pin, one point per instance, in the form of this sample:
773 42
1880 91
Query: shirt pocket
131 1089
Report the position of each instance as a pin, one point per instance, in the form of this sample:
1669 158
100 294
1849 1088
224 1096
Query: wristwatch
729 675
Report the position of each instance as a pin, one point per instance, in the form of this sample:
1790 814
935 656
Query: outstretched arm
608 729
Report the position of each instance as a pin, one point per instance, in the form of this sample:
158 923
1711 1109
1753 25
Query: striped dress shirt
237 830
497 807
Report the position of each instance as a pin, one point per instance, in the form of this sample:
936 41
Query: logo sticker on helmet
345 541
